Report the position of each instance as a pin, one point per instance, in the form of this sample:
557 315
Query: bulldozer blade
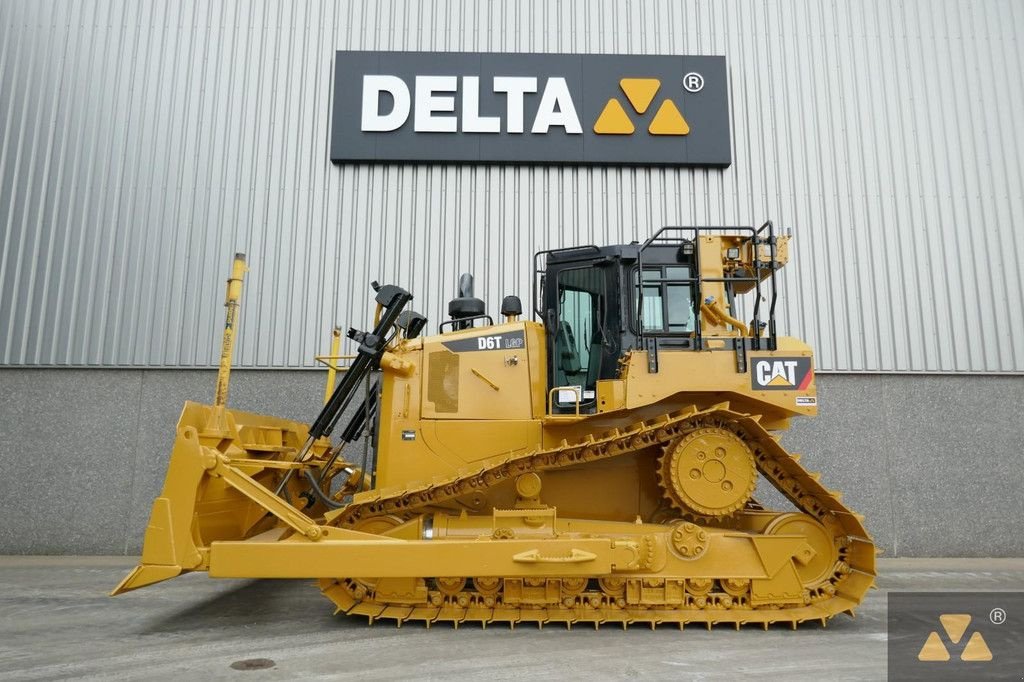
200 501
145 574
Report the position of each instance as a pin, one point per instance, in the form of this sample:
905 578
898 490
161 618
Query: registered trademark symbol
693 82
997 616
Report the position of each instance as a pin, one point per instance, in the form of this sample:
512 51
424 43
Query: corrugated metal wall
144 142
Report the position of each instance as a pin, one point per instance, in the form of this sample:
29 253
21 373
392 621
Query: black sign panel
530 108
774 373
505 341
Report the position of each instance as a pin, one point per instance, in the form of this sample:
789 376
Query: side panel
467 441
472 394
401 451
480 373
781 380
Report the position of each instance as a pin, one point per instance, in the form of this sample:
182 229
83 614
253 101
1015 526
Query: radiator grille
443 381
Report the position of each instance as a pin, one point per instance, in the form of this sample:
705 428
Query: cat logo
955 625
781 374
640 92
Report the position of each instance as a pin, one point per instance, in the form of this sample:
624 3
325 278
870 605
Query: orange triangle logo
668 121
933 649
640 91
613 120
976 649
955 625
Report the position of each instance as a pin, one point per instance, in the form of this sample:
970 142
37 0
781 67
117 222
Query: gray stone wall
934 462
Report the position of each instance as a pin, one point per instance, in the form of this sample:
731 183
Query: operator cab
670 293
593 316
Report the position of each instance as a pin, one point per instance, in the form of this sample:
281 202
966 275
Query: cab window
667 300
579 333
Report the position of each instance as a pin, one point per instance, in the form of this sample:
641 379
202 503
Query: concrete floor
57 622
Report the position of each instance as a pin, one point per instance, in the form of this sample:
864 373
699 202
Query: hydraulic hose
320 494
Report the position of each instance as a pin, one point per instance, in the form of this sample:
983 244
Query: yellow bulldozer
597 464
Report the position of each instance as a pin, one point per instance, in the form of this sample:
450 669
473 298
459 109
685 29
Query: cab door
581 347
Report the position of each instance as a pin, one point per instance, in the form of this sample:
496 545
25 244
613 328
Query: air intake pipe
463 309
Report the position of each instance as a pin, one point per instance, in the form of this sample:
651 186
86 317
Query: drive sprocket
709 472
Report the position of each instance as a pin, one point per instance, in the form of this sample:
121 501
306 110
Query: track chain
842 591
